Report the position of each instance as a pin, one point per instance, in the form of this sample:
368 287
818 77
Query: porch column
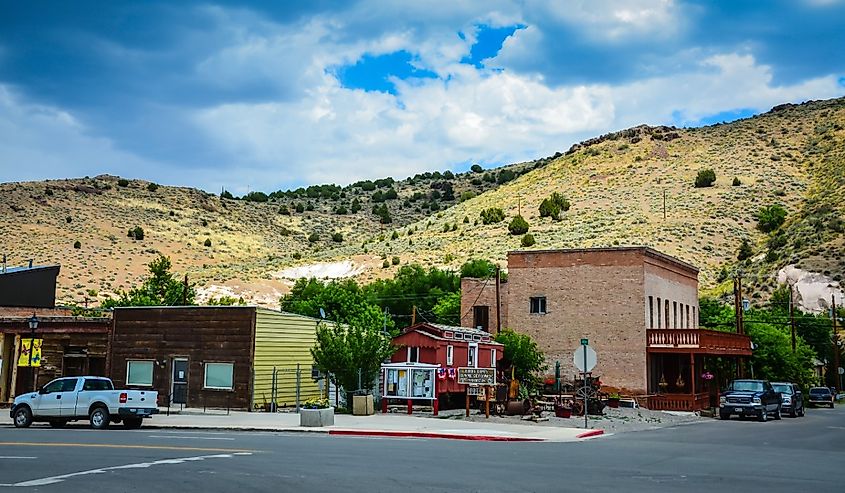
13 382
692 375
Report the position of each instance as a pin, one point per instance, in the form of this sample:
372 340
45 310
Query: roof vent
30 263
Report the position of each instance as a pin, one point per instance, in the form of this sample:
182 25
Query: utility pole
414 315
834 340
498 301
738 317
185 291
792 317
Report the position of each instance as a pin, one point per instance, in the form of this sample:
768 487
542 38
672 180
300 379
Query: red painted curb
592 433
418 434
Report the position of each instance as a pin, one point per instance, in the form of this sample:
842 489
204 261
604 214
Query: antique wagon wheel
578 408
590 393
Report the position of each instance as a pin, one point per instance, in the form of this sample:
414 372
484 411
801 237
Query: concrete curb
589 434
422 434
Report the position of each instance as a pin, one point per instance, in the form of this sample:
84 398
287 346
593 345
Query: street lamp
33 324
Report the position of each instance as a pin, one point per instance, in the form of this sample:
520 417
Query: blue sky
271 95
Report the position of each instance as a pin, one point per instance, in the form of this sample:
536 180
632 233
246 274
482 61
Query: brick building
638 308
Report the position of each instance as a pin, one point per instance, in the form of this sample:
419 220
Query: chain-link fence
277 387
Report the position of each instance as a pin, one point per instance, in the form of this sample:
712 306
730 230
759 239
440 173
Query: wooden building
443 349
235 357
71 346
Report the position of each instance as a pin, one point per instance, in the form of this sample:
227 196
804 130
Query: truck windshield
747 386
97 384
783 389
819 391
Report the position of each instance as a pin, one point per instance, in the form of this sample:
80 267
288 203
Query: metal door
179 389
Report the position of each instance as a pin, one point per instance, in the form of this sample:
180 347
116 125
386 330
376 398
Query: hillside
794 156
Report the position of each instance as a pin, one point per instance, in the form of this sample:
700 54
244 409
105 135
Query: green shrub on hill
771 218
518 225
705 178
492 215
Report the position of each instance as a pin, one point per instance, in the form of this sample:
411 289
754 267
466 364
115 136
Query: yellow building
282 341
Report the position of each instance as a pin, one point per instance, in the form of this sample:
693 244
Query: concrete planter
316 417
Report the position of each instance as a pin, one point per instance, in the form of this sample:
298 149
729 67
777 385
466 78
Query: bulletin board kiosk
409 382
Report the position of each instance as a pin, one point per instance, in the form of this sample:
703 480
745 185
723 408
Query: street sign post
585 359
578 358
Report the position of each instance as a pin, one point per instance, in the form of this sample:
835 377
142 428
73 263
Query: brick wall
593 295
12 311
477 292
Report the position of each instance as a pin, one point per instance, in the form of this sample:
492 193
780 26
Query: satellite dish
322 313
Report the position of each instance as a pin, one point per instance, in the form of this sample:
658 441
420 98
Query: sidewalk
396 425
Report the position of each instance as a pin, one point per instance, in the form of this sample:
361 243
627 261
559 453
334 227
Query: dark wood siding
200 334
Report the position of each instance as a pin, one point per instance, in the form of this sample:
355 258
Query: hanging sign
33 345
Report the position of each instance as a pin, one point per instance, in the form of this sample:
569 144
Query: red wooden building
438 350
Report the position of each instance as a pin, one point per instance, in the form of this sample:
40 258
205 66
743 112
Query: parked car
791 398
821 396
92 398
750 398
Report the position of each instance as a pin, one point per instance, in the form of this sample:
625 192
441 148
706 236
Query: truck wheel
793 412
763 416
99 418
724 416
58 423
777 413
23 417
802 411
132 423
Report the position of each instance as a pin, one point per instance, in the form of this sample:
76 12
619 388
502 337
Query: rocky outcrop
814 291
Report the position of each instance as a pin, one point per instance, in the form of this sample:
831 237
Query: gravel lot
612 421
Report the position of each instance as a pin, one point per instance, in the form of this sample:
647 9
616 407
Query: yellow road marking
113 445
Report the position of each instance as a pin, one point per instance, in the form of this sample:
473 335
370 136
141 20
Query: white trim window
450 354
493 358
472 355
139 373
413 355
219 376
537 305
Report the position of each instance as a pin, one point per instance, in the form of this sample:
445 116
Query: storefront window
219 376
139 373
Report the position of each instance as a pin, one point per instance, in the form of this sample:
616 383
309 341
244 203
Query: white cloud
340 135
612 20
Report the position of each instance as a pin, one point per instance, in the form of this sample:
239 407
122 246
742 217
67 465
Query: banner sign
28 345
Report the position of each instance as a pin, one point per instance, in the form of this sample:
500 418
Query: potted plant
613 400
563 411
316 412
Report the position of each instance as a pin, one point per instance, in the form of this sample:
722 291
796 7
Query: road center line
139 465
188 438
17 457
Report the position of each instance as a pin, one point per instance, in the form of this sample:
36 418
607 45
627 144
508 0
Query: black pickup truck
750 398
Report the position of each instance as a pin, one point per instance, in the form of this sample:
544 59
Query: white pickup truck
92 398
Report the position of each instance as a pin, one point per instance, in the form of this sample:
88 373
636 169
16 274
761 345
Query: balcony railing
698 341
679 402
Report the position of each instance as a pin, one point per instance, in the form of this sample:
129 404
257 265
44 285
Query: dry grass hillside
793 155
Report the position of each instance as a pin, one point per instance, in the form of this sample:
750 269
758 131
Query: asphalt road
802 454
